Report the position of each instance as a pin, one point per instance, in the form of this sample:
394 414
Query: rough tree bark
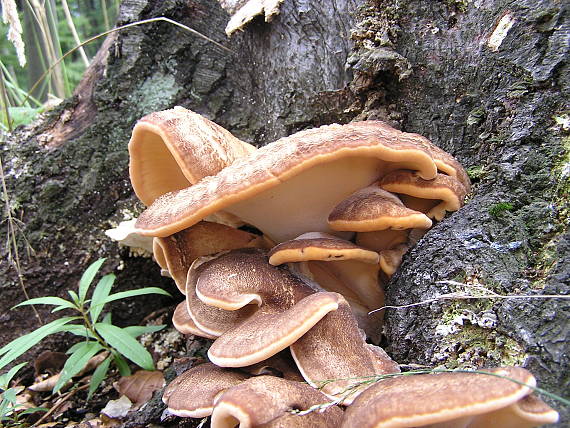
425 67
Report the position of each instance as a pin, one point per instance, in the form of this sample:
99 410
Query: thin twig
59 403
12 245
113 30
462 295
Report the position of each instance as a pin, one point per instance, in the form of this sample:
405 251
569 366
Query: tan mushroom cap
373 208
177 252
529 411
382 239
390 260
268 401
173 149
319 246
192 394
290 186
335 349
280 365
184 323
444 193
209 319
339 266
288 306
439 400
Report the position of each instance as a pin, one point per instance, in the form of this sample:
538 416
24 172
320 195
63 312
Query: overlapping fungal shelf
336 208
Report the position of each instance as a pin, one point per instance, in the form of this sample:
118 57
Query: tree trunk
496 103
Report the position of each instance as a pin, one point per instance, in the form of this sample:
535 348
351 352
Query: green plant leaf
122 364
99 375
19 346
100 293
77 361
78 330
107 318
49 300
137 330
74 297
125 344
7 377
138 292
87 278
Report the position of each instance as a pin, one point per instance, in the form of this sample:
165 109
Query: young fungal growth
451 400
340 266
177 252
433 197
268 401
192 394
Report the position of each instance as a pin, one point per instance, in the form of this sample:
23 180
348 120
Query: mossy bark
425 67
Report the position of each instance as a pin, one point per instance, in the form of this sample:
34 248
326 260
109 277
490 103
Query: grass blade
99 375
137 330
56 301
122 365
87 278
20 345
77 361
138 292
7 377
125 344
100 293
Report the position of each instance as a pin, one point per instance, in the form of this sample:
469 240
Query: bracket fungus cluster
334 210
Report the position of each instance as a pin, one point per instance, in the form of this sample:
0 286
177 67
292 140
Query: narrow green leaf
99 375
31 410
7 377
9 395
19 346
75 347
138 292
49 300
137 330
78 330
74 297
100 293
107 318
122 364
87 278
125 345
76 362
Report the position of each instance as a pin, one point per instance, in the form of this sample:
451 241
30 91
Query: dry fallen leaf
140 386
116 409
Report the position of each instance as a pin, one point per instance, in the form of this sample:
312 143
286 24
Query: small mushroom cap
373 208
528 412
339 266
209 319
267 401
280 365
177 252
319 246
382 239
173 149
307 173
432 399
125 234
265 334
335 349
449 190
192 394
185 324
390 260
